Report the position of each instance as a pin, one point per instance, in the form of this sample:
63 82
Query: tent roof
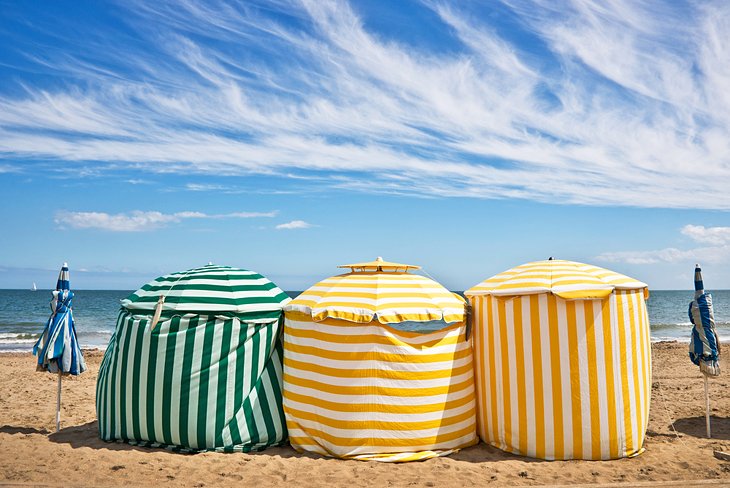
379 265
566 279
210 289
391 297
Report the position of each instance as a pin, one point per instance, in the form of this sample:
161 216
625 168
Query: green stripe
187 366
135 382
167 383
206 355
220 417
151 379
206 287
210 300
202 420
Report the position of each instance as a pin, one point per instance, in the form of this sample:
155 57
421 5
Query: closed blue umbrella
704 346
58 349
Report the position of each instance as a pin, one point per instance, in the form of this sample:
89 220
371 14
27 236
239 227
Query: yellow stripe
595 407
374 424
409 409
608 346
521 395
478 341
376 389
505 379
574 376
556 373
626 414
495 433
635 361
537 373
379 442
376 356
376 373
440 338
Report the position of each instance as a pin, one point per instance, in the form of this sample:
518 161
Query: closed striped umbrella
562 361
207 376
378 366
58 348
704 346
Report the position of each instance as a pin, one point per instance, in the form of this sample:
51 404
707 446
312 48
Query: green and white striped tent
207 376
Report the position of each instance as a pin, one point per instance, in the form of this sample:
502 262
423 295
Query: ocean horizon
23 315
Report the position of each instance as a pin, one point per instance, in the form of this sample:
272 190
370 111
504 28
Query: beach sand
31 453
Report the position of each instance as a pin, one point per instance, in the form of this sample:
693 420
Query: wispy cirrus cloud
295 224
718 250
139 221
625 102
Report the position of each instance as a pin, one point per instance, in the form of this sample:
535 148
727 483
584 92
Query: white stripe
529 377
180 339
633 415
583 366
511 353
159 383
602 375
231 383
407 386
143 372
547 378
214 371
357 433
192 420
368 416
129 359
348 329
405 351
369 365
567 394
499 375
366 398
348 451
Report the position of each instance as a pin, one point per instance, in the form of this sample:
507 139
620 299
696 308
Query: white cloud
718 250
138 221
717 236
295 224
629 101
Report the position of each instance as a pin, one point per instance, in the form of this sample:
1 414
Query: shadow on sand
87 435
695 427
9 429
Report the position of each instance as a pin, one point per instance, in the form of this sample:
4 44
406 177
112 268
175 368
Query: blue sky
141 138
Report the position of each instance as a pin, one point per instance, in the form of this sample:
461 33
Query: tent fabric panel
194 383
580 388
210 289
566 279
379 397
387 297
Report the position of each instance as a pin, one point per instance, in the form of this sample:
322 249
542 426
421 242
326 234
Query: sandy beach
31 453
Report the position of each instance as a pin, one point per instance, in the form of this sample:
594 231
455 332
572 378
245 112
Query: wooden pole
58 402
707 408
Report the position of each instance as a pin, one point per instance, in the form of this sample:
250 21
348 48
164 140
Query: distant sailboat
35 288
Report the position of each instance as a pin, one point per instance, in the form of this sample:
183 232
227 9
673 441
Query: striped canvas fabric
562 379
566 279
212 288
361 297
363 389
199 380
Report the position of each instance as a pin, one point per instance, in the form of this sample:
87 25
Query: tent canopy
566 279
389 297
211 289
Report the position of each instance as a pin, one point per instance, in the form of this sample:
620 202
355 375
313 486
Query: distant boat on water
34 288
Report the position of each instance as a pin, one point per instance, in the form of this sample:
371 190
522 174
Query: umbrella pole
58 402
707 408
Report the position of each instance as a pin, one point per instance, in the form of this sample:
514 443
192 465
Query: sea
23 315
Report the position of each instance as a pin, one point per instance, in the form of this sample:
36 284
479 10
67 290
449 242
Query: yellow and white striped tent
363 380
562 361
